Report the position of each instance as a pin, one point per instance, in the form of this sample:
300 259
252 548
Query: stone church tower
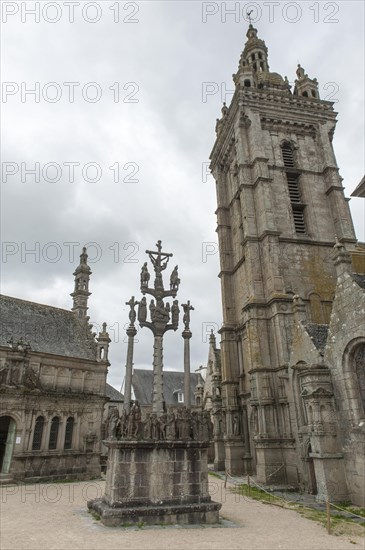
281 209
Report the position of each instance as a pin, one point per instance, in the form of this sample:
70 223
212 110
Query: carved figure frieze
180 425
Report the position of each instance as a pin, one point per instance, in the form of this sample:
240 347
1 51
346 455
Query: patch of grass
352 509
256 494
95 515
214 474
340 525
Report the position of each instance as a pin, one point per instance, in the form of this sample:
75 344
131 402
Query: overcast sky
134 102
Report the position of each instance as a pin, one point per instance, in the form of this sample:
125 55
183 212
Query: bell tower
280 209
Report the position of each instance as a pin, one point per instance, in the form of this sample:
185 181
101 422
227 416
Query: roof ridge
36 303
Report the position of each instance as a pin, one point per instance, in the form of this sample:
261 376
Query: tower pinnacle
81 292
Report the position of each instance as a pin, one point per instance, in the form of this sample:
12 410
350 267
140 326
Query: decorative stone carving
142 310
182 425
174 279
186 319
145 276
132 314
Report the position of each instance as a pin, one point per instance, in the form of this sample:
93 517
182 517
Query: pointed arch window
53 434
38 433
69 432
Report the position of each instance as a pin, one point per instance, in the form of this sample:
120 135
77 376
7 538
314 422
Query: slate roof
142 382
318 334
113 394
47 329
359 279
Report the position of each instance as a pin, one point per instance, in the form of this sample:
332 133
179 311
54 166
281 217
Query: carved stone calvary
163 316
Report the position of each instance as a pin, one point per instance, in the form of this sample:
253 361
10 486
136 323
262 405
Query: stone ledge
150 444
205 513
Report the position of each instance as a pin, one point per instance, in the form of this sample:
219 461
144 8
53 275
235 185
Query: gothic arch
289 141
354 368
8 428
14 415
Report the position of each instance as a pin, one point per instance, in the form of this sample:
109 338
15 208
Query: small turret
81 292
305 86
103 342
253 70
255 52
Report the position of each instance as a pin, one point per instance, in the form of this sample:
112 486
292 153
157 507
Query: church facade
53 388
287 389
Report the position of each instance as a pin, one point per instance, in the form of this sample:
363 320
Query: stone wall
156 482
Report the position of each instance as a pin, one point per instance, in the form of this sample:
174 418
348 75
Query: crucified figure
186 319
132 314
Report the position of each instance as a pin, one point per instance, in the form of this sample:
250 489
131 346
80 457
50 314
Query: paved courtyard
55 517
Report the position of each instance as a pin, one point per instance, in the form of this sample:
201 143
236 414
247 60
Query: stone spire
81 292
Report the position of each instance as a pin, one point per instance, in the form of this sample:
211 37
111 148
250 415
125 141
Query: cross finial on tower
249 16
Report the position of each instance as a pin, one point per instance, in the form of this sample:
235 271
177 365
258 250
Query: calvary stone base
156 482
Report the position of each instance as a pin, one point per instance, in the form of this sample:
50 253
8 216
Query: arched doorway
7 438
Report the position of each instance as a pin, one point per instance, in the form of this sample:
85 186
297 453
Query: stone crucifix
163 315
186 319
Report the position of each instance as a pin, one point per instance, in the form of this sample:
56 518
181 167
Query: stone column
157 404
187 398
131 332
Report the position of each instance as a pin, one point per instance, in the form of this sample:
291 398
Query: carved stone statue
175 312
236 424
142 310
170 426
152 310
112 423
161 315
174 279
155 427
186 319
147 427
145 276
167 309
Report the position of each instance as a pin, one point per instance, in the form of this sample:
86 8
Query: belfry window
292 177
38 432
288 157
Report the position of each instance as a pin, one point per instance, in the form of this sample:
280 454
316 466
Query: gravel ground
54 516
